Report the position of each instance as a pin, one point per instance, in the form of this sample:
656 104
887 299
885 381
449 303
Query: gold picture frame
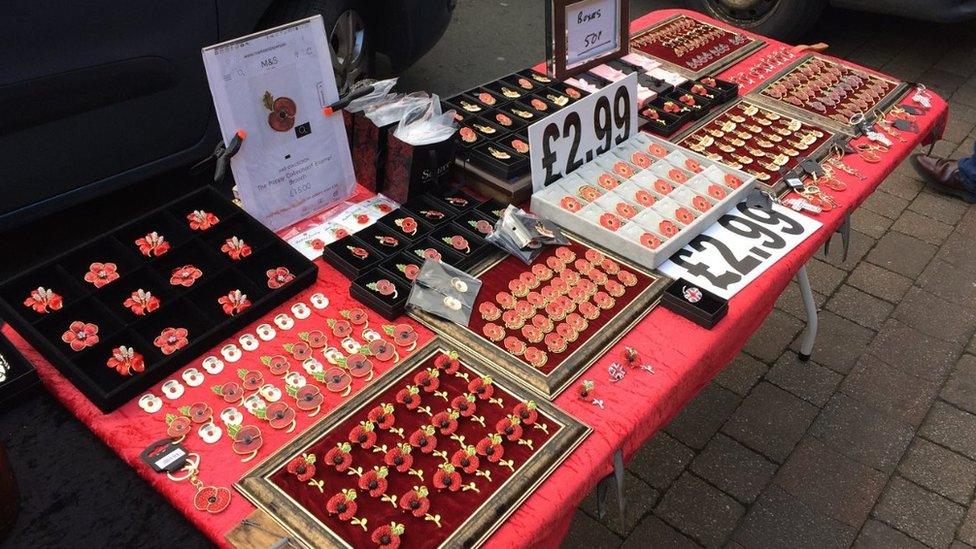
304 527
550 385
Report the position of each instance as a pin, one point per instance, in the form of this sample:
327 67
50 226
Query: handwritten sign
565 141
592 29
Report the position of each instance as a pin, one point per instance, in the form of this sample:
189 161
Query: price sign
739 247
591 30
584 33
561 143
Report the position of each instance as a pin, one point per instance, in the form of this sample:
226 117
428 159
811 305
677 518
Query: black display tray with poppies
457 238
185 282
437 452
494 117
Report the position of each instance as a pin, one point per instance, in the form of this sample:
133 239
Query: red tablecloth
684 355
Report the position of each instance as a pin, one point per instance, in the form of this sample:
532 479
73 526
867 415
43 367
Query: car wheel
785 20
348 34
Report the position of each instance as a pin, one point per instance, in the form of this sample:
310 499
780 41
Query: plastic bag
425 124
444 291
523 234
392 107
380 90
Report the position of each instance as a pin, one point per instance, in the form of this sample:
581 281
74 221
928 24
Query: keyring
270 393
319 301
459 285
173 389
265 332
231 353
210 432
231 416
295 380
213 365
301 311
249 342
284 322
192 377
150 403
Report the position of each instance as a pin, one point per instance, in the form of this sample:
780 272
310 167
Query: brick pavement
871 444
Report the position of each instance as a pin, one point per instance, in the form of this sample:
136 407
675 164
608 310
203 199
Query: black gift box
384 239
474 242
20 378
434 213
571 93
535 76
467 104
506 90
488 97
513 165
654 84
194 307
423 249
694 303
670 125
505 121
476 222
524 109
454 198
400 263
352 256
492 209
398 220
368 290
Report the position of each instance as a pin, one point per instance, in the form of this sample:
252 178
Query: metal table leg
810 333
845 235
603 488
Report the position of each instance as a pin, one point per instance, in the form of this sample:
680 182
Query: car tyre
785 20
348 33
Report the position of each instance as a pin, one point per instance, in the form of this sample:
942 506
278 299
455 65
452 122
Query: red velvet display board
497 278
685 357
695 58
451 508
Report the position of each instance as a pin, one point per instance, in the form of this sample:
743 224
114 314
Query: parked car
98 96
789 19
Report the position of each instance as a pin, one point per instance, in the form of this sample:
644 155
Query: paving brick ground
872 443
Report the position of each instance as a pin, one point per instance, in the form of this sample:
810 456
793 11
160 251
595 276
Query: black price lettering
743 227
722 281
621 113
601 124
743 266
575 124
771 217
592 39
550 134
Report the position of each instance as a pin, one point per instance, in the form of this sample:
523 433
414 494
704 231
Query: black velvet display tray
194 308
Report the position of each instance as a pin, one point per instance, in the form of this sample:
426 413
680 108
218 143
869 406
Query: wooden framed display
436 453
839 91
581 34
744 129
693 47
584 301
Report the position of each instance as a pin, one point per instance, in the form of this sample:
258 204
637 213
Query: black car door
94 94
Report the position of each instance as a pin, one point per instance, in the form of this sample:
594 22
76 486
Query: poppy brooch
278 277
171 340
153 244
201 220
126 361
141 302
100 274
234 302
185 276
80 335
44 300
236 248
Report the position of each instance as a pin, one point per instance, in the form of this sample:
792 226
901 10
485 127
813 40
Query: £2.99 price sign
739 247
561 143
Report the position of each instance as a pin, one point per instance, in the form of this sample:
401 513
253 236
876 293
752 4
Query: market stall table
685 357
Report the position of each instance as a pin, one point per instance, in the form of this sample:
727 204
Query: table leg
603 488
810 333
845 235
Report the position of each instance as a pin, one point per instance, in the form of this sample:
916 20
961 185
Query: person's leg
967 171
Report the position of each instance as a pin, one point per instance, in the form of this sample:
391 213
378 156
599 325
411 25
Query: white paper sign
739 247
592 29
563 142
274 84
